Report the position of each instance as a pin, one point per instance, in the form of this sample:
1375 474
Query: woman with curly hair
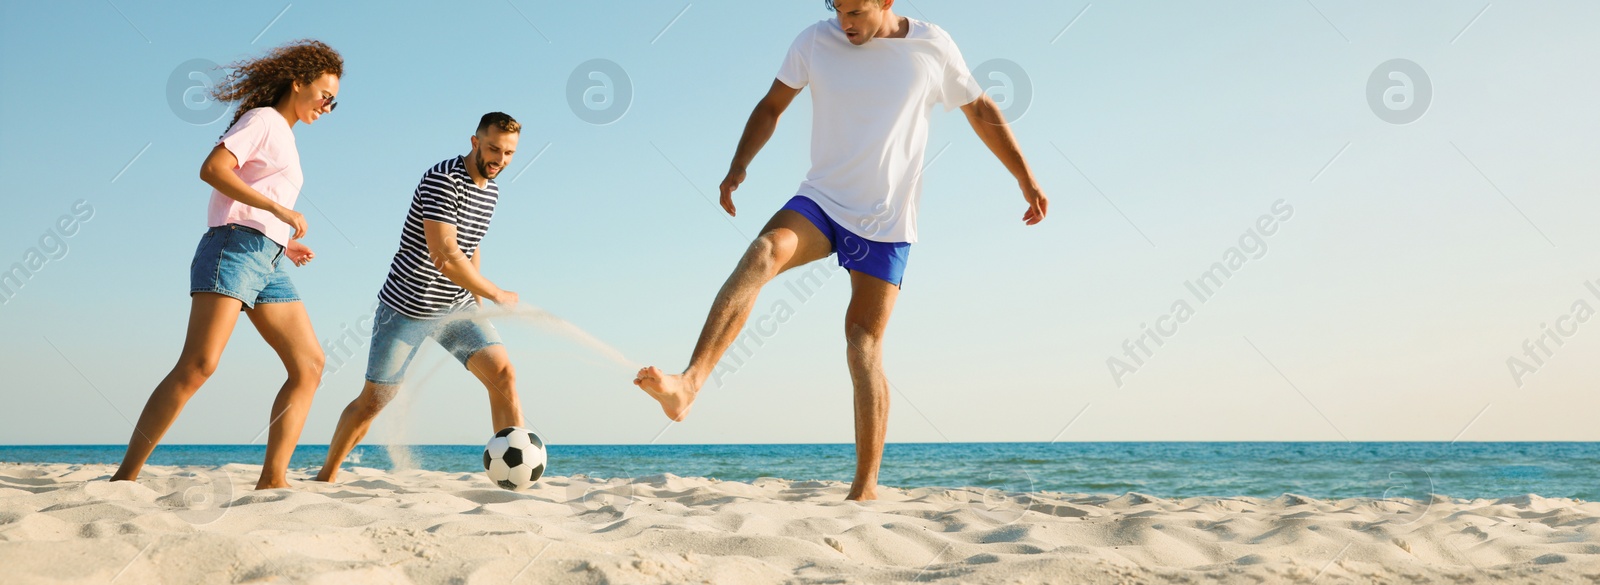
254 171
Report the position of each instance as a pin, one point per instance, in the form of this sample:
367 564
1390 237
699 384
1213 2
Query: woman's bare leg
287 328
211 320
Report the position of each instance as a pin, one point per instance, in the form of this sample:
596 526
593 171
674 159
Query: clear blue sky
1418 259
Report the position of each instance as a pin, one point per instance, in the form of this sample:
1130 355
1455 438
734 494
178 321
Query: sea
1172 470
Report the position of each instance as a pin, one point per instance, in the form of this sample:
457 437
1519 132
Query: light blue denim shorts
242 263
396 338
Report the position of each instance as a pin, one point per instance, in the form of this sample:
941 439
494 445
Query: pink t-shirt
268 163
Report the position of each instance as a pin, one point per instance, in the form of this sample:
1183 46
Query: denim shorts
884 260
242 263
396 338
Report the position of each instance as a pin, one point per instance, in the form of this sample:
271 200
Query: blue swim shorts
884 260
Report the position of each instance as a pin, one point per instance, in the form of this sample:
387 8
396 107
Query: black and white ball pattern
515 458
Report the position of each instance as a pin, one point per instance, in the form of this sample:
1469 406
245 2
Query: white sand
64 524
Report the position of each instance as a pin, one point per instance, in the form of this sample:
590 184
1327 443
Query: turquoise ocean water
1323 470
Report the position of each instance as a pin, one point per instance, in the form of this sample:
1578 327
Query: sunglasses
328 102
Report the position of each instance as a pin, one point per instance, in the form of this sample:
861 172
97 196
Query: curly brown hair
261 82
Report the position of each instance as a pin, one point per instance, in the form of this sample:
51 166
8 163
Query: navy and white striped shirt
447 195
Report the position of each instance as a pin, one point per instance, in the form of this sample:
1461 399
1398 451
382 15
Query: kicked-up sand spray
398 428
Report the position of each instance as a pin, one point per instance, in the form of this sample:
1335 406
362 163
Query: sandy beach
64 524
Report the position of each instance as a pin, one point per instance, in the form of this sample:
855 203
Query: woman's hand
298 253
296 221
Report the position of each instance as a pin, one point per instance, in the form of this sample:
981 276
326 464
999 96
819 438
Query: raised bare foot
676 393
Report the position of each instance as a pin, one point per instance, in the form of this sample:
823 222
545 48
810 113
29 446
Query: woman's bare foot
676 393
863 495
265 484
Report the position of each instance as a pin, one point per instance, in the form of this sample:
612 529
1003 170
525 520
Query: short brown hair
504 122
835 9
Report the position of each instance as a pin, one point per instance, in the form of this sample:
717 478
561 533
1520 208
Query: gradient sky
1418 259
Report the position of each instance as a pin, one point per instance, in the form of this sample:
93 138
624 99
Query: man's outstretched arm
454 264
990 124
763 122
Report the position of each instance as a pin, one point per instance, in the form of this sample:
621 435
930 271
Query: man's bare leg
871 301
787 241
353 425
492 366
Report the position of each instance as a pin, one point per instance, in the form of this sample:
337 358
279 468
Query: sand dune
64 524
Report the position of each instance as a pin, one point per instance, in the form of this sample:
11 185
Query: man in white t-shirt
875 78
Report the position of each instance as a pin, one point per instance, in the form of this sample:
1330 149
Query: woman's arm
217 171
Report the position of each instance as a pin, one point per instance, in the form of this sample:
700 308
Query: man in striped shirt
434 288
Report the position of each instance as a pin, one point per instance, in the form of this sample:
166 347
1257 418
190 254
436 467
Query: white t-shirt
870 112
268 163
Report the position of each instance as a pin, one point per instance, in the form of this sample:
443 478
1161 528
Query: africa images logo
189 90
52 247
1399 91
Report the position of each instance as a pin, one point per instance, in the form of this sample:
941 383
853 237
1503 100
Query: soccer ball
514 458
